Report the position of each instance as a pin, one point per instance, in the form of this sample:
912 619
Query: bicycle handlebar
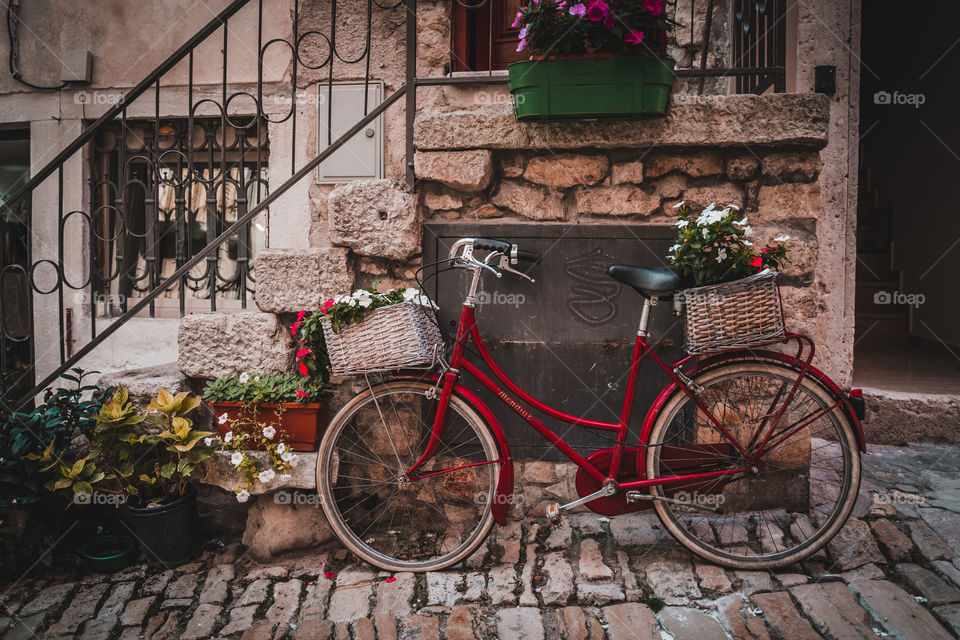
507 248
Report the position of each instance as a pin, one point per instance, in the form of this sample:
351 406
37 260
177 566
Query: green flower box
613 87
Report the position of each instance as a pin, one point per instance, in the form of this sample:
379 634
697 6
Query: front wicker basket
401 336
733 315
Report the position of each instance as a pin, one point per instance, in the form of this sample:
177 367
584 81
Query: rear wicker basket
733 315
401 336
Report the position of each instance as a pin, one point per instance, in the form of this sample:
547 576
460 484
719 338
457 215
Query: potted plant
143 461
36 525
293 405
597 59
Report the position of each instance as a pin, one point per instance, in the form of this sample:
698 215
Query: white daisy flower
722 255
266 475
741 223
681 224
365 302
410 294
243 495
674 248
256 378
269 431
287 457
281 448
236 459
244 377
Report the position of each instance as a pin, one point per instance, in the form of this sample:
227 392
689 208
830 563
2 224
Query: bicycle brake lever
486 266
505 265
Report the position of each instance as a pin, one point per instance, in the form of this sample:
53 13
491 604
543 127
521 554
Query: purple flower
579 9
516 21
654 6
597 10
523 32
522 45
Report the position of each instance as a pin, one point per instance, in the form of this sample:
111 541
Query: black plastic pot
170 533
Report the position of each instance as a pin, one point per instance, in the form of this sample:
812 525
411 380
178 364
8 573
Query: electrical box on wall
362 156
77 66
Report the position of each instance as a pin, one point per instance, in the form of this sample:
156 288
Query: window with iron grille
160 192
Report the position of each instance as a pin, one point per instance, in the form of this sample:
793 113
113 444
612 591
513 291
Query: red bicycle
751 458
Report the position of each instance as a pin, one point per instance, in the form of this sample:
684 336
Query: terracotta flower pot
299 425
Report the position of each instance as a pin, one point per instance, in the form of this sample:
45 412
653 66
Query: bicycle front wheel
425 522
787 504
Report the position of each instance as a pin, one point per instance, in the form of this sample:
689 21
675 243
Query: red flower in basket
326 305
296 325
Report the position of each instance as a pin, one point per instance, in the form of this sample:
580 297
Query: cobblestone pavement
893 572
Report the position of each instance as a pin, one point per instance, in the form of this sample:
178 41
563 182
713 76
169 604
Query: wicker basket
733 315
401 336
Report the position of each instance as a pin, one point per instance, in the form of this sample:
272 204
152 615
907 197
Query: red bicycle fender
774 355
504 491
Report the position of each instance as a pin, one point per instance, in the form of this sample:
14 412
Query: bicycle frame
752 454
467 329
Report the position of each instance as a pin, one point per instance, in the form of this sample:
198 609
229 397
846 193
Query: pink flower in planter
597 10
522 45
578 9
329 574
516 21
634 37
302 353
654 6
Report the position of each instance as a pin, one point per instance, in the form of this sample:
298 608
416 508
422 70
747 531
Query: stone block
274 528
441 201
743 167
565 170
720 194
143 384
529 201
624 172
512 165
462 170
695 164
786 201
215 344
290 280
802 166
618 200
376 218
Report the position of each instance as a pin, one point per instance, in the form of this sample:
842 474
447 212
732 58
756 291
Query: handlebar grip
491 244
529 256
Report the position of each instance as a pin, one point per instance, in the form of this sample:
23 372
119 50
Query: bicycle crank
636 496
554 509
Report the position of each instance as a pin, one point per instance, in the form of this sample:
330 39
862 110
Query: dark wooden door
568 338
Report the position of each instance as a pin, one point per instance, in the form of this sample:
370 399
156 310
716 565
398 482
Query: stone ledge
217 471
722 121
895 417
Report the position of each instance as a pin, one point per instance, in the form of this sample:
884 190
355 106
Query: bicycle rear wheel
422 523
787 505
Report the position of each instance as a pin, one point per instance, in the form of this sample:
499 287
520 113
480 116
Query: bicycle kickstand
554 509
